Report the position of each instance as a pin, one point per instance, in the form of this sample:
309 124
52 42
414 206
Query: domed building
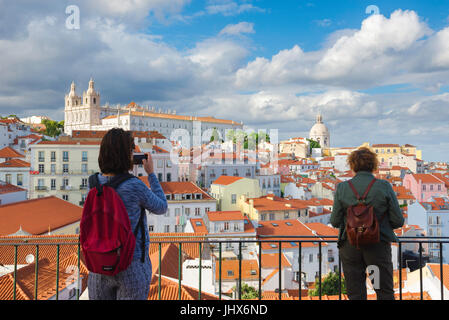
320 133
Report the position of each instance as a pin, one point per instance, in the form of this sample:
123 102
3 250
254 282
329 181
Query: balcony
83 187
39 263
41 188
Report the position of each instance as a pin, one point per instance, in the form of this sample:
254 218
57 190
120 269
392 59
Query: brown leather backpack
362 226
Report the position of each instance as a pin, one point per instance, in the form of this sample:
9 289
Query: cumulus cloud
237 29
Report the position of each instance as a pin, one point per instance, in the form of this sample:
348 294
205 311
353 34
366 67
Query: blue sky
271 64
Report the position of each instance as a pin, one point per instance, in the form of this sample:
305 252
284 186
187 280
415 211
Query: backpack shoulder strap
95 183
354 190
368 188
117 180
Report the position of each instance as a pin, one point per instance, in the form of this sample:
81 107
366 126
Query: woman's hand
148 164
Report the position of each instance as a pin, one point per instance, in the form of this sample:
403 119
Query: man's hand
148 164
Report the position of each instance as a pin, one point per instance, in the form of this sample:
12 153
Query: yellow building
386 151
271 207
229 189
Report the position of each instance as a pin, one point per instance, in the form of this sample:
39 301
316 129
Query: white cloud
237 29
231 8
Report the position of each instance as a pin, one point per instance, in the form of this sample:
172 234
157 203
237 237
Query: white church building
86 113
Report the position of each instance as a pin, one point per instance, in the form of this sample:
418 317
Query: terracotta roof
230 270
159 149
81 142
322 229
174 116
226 180
274 203
15 163
385 145
224 215
169 261
426 178
37 216
8 152
170 290
190 249
198 225
271 260
9 188
289 227
179 187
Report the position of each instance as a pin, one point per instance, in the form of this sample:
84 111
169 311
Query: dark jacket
381 197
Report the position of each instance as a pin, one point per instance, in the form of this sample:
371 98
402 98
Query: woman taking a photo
116 158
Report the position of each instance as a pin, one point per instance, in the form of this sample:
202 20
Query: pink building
424 186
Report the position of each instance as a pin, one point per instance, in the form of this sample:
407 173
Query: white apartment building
433 217
16 172
185 201
63 169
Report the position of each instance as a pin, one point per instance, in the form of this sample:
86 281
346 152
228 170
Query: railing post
420 271
15 271
160 272
179 270
36 272
300 269
280 270
339 277
319 267
199 286
78 273
400 269
219 270
441 271
260 270
240 270
57 272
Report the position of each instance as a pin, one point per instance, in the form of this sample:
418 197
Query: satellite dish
29 258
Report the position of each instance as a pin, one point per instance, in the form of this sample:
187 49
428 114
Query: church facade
86 113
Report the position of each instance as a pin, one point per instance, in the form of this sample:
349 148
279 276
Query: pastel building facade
424 186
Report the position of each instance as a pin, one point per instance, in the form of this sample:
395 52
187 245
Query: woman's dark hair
115 151
363 159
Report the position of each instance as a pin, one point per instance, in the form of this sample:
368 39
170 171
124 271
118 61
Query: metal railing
212 240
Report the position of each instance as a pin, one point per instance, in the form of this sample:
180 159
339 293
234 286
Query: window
84 156
431 187
65 156
263 216
424 187
439 187
151 228
177 212
41 156
84 182
286 215
167 213
197 211
230 273
53 168
53 156
65 168
19 179
310 257
8 178
187 211
84 167
168 177
226 226
167 228
159 176
160 163
41 168
65 197
271 216
53 184
233 198
207 209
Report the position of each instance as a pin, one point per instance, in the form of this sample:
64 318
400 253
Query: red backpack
106 238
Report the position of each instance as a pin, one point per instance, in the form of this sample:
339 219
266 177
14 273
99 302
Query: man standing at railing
366 227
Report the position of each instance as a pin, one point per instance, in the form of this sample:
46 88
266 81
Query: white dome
319 129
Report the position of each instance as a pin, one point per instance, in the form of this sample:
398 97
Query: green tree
248 292
329 286
314 144
53 128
